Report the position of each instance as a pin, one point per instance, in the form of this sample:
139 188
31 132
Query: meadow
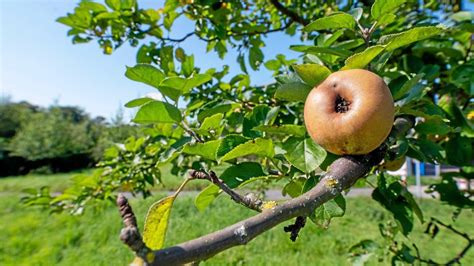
33 236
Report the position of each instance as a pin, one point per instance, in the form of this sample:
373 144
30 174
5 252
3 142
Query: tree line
54 139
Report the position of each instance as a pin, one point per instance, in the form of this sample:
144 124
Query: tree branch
130 235
249 202
293 15
341 175
191 132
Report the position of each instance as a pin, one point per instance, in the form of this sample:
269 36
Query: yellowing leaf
156 223
137 262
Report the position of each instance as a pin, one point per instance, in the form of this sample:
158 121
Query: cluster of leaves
207 118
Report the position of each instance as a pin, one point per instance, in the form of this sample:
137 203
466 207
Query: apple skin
363 122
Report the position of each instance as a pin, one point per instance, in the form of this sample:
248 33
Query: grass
31 236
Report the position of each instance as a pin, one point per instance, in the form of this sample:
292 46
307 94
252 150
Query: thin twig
293 15
249 202
191 132
459 256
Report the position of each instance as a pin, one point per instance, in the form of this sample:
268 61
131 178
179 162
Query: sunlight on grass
32 236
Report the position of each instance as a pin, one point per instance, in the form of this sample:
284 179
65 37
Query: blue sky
39 63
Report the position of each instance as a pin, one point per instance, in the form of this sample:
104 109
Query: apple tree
213 119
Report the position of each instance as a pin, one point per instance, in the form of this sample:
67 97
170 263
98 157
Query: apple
350 112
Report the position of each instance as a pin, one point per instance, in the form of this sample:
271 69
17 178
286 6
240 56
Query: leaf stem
180 188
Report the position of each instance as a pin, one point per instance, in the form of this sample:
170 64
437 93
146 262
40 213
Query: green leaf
183 85
152 76
356 13
229 142
128 4
235 175
463 16
361 252
459 151
310 183
157 112
68 21
394 41
349 44
463 77
434 125
333 21
449 193
108 15
114 4
255 57
173 151
260 146
334 208
386 19
211 123
382 7
427 151
94 7
327 40
399 93
285 129
138 102
241 61
321 50
187 67
312 74
406 194
206 197
221 108
207 150
362 59
389 195
456 117
304 154
156 223
293 189
293 91
273 64
260 115
416 92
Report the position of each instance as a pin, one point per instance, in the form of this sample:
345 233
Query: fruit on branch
394 165
350 112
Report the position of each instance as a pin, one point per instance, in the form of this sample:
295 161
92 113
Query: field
32 236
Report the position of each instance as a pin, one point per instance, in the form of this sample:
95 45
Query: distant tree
60 132
12 115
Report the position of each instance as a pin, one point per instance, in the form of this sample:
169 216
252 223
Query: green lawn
31 236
